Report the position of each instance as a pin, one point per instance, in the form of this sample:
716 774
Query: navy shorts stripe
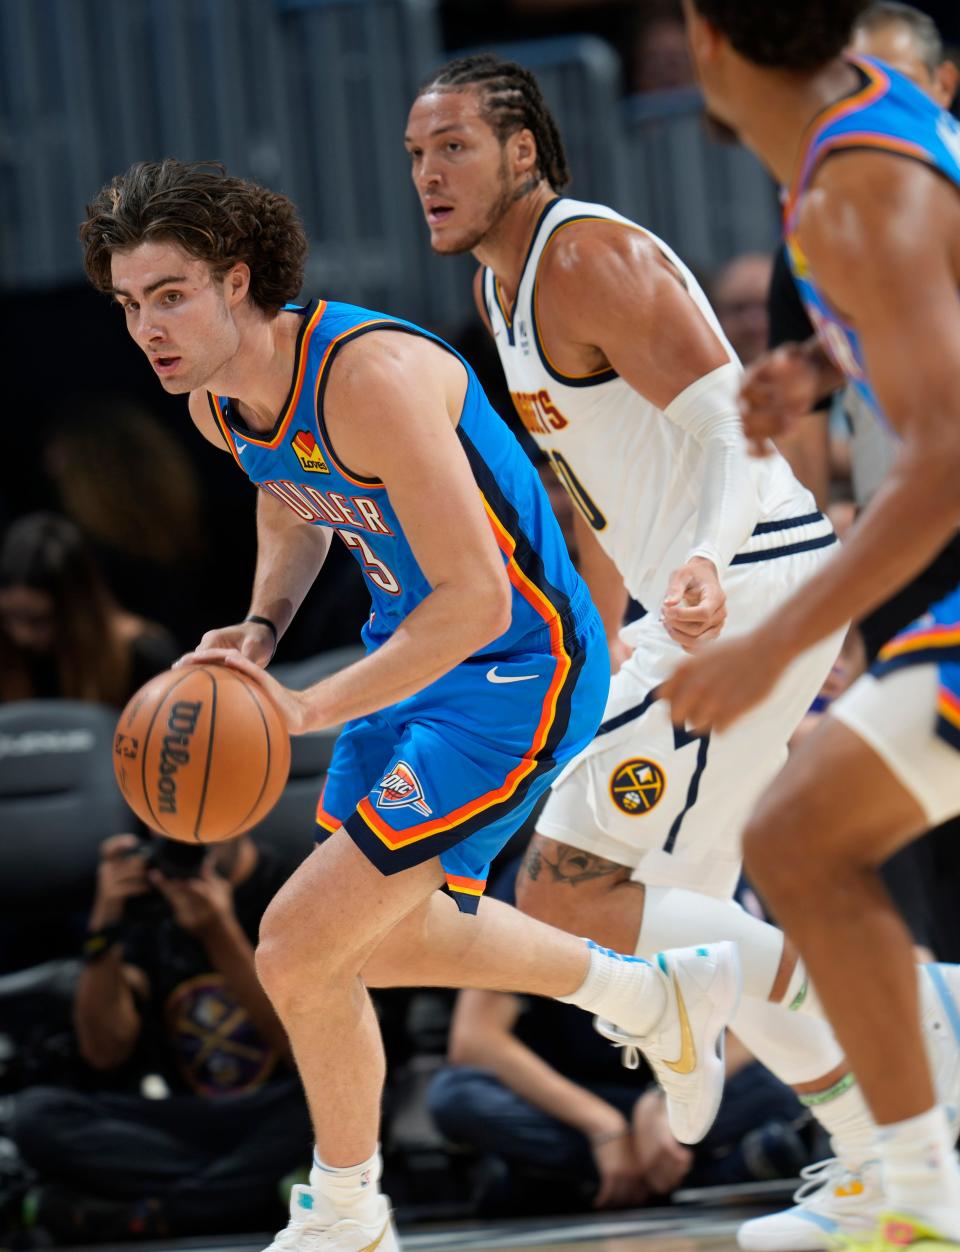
787 523
789 549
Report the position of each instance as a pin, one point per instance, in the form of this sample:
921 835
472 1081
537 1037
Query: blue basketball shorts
934 639
453 771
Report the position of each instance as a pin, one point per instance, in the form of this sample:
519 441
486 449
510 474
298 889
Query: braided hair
511 100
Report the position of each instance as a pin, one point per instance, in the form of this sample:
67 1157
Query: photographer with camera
169 993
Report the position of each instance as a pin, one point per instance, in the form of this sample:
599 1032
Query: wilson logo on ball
181 725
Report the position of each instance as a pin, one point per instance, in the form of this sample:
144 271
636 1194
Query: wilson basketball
201 754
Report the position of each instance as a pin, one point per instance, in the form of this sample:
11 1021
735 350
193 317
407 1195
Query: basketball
201 754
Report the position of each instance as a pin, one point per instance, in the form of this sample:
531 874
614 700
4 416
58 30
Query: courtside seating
58 801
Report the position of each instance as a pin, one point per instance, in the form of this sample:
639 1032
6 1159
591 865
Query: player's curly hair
511 101
211 215
785 36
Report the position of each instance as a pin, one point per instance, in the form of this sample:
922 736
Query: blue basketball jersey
297 464
889 113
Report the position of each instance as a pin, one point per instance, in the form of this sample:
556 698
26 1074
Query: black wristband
98 943
265 621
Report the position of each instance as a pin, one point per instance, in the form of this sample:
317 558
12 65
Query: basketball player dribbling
621 373
486 668
873 227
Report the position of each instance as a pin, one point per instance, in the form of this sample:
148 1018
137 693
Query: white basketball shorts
667 804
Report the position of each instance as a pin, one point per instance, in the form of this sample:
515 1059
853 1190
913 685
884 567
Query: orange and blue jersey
455 769
887 113
890 114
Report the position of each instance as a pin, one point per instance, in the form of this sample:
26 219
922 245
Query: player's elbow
493 607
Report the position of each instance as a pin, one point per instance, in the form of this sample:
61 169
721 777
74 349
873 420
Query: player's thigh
870 778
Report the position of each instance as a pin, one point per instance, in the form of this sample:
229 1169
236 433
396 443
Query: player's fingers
203 656
689 615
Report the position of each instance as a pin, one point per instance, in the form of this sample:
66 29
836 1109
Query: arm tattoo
571 866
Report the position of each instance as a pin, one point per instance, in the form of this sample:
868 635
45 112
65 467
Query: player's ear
525 154
237 283
703 38
946 81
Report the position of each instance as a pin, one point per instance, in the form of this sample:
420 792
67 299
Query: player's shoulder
864 200
594 260
385 365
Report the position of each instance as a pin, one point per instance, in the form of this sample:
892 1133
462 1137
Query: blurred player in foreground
486 668
621 373
872 167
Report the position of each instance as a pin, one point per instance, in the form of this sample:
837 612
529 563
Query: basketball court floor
705 1222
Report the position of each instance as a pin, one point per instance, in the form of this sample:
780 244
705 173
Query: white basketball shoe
306 1232
834 1203
685 1048
830 1202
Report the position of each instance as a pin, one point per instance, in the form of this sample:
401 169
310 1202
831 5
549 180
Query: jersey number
576 491
375 569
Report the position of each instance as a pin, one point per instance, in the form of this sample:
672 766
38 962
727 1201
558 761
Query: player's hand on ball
292 706
251 639
695 605
713 689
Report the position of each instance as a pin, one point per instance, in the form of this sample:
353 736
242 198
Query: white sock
352 1191
921 1174
623 989
842 1111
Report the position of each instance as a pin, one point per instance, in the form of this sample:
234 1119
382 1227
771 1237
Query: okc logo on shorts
401 787
637 786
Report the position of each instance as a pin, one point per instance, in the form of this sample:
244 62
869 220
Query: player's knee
294 968
776 857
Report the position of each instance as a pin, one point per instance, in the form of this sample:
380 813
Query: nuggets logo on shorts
401 787
636 786
308 454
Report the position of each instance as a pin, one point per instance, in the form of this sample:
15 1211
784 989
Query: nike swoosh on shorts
494 677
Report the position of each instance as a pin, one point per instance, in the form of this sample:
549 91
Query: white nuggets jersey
635 475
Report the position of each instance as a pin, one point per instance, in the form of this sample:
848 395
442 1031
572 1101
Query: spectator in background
134 492
660 58
908 39
563 1127
649 38
61 631
169 987
739 293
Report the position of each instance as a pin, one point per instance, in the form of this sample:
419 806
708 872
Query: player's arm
884 238
604 580
613 290
290 553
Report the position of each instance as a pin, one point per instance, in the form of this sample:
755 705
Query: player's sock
800 996
842 1111
622 989
352 1191
921 1173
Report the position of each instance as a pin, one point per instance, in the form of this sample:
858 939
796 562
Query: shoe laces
820 1175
